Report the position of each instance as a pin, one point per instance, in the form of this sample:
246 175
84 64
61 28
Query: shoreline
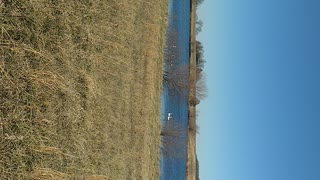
191 139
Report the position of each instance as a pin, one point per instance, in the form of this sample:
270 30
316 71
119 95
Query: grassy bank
80 88
191 140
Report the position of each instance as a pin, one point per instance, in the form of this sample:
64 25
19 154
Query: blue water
174 168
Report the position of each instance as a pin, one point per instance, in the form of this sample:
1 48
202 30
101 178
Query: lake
177 47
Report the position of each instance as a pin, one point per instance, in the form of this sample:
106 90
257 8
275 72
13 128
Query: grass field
80 84
191 173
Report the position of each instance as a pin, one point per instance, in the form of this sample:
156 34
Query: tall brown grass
80 88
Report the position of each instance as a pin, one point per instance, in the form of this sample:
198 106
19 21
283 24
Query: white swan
169 116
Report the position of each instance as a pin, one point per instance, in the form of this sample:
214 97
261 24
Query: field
191 172
80 84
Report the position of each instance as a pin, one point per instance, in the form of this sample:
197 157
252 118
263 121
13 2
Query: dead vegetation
192 127
80 88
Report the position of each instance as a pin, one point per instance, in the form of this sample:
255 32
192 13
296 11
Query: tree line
200 62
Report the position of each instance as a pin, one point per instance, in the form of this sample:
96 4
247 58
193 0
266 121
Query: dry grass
191 140
80 85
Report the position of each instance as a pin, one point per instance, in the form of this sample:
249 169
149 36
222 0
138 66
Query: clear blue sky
261 120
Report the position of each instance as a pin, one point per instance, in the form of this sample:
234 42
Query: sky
261 119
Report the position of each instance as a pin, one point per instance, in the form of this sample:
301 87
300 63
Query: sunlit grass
80 85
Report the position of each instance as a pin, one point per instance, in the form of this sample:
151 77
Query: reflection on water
172 101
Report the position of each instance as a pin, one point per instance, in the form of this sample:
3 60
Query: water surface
179 14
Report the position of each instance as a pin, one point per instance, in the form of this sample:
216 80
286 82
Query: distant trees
199 22
199 55
198 2
197 169
172 141
199 25
201 86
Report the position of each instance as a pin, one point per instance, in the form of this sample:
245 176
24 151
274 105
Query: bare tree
172 141
201 86
199 55
199 2
199 25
